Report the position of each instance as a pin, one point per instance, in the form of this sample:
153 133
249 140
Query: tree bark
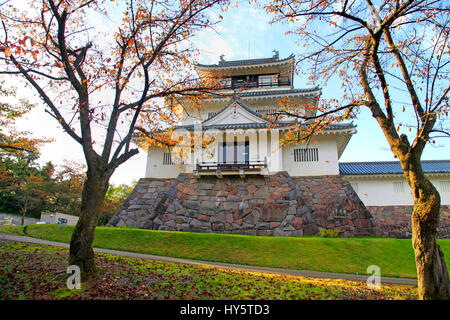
432 274
81 252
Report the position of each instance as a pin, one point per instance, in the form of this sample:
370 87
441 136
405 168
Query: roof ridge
390 161
224 63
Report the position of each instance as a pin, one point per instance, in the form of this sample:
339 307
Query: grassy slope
344 255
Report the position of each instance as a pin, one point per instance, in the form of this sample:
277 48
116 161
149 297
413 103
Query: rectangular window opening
167 159
398 187
306 155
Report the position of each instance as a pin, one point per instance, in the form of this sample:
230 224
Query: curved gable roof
256 117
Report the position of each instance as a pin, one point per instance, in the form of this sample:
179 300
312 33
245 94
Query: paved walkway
302 273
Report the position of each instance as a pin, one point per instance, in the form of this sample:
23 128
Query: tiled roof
244 94
228 126
336 126
255 125
268 93
232 63
390 167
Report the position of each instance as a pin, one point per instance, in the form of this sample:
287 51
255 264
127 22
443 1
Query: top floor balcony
251 82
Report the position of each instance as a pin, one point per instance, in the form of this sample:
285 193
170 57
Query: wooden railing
213 166
235 84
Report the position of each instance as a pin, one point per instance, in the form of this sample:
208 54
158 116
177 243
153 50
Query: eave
246 64
391 175
314 92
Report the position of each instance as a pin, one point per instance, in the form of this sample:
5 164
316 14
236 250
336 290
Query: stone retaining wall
395 221
275 205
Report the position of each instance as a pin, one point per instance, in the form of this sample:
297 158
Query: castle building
248 181
238 119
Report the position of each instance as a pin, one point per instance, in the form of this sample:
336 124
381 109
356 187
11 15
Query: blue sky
244 33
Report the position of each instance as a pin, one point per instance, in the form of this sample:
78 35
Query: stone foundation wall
395 221
275 205
139 209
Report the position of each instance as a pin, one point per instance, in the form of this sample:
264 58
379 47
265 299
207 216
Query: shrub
329 233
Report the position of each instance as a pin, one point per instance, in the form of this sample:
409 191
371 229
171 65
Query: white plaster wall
192 115
379 191
155 167
328 158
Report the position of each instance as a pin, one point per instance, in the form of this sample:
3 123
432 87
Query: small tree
19 178
67 188
102 80
25 186
386 53
30 193
115 196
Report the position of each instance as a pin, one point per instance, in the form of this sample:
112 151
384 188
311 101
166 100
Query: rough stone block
273 212
265 233
180 220
273 225
208 204
217 227
251 189
297 223
202 217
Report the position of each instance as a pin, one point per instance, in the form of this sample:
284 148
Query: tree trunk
432 275
81 252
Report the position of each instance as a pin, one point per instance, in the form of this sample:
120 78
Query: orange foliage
134 72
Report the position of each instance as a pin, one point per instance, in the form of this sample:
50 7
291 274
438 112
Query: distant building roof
390 167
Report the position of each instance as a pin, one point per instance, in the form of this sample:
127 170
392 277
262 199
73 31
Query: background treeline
29 188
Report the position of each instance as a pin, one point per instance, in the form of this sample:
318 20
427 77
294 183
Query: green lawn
395 257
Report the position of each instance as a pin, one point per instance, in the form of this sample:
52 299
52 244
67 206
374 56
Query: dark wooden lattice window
167 158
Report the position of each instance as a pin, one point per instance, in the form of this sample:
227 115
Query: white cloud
211 45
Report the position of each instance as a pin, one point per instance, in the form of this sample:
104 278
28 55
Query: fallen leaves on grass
30 271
